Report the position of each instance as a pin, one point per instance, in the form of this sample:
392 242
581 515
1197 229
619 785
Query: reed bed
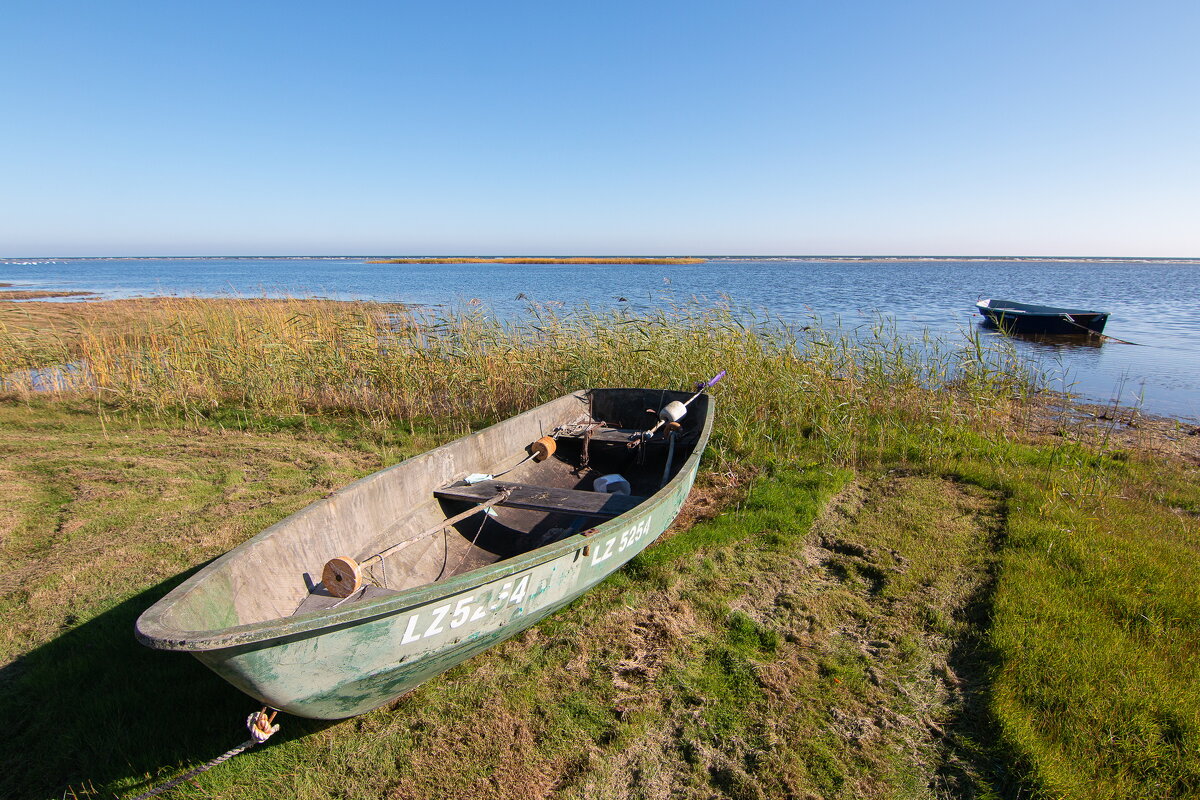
456 370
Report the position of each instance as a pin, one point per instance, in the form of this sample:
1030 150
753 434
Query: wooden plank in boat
544 498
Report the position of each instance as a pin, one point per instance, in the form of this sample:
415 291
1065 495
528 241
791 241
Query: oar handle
495 499
702 385
711 382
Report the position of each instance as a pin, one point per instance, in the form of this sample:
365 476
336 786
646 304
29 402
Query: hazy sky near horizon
393 128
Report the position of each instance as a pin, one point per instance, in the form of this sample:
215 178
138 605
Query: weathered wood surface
544 498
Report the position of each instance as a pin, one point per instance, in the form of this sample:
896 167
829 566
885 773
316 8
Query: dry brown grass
494 754
859 395
69 323
85 517
1113 429
839 675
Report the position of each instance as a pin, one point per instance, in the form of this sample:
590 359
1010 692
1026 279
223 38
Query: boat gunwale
152 632
1015 309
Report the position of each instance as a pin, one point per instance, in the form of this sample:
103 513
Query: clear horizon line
811 256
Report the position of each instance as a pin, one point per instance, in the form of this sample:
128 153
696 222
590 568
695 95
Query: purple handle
701 387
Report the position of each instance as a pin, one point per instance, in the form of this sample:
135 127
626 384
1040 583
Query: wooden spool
341 576
543 448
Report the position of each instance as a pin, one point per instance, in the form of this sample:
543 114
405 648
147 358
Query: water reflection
1043 342
55 378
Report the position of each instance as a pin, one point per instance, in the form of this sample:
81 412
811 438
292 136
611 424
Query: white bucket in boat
613 484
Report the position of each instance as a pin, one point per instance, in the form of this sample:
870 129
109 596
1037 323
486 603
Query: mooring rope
260 727
1068 318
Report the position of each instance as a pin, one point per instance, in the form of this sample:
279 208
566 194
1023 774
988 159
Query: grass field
901 574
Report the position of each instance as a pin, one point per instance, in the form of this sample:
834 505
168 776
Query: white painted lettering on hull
477 607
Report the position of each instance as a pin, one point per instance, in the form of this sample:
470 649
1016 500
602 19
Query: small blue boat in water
1013 317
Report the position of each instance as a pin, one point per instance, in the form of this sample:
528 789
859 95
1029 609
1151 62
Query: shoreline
910 297
37 294
32 312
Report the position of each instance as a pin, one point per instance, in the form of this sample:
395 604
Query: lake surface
1153 302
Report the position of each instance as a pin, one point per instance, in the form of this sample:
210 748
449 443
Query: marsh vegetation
905 572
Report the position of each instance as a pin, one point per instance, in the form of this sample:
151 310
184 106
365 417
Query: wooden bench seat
543 498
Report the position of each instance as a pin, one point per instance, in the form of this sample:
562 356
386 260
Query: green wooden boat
303 619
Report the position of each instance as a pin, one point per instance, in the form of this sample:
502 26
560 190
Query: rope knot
260 727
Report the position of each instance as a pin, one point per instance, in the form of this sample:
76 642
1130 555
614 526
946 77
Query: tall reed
455 369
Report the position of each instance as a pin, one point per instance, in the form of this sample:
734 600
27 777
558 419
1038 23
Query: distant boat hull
1013 317
250 618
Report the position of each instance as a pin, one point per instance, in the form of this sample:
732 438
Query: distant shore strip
526 260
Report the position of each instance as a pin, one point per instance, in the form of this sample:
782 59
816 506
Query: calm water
1153 303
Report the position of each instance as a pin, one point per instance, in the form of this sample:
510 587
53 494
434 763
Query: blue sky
952 128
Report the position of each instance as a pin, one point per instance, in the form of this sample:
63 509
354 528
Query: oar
342 576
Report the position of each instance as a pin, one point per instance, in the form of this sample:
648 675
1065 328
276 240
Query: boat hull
348 659
346 671
1024 318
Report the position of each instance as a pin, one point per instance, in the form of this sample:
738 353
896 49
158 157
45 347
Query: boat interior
589 467
518 485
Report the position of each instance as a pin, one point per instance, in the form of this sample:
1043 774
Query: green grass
1098 615
896 587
